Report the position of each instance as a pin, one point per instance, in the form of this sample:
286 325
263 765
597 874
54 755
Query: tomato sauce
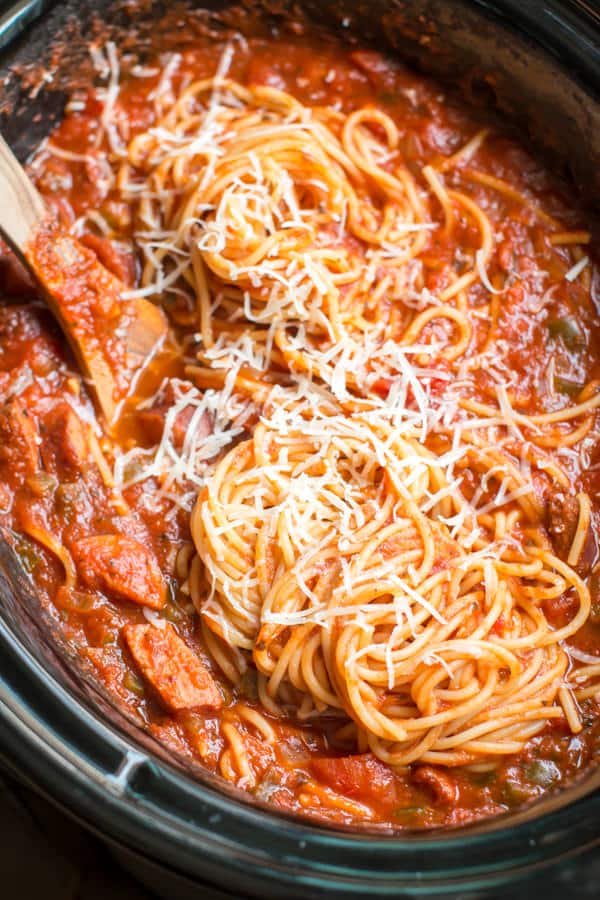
53 482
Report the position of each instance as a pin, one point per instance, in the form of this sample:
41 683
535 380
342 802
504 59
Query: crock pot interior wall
455 40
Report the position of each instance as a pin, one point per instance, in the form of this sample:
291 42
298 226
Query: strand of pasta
346 595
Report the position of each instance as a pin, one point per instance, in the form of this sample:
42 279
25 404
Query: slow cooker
538 64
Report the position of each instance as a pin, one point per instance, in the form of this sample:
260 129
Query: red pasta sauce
120 569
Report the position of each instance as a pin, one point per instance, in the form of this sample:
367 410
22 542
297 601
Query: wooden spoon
113 338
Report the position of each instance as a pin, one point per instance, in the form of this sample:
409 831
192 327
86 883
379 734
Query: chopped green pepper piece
567 329
41 483
566 386
173 614
249 685
483 779
27 553
594 586
409 813
66 498
514 793
134 684
543 772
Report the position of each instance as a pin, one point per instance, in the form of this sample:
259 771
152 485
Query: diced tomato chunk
363 777
121 566
180 679
560 610
66 448
441 784
505 253
499 625
382 386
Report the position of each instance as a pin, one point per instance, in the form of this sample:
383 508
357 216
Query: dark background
45 856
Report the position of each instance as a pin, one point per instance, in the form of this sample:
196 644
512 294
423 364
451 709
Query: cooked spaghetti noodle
332 564
347 553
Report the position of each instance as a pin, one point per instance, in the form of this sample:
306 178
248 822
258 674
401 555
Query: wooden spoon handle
113 336
22 209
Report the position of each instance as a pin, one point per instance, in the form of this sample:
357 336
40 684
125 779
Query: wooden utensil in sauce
112 337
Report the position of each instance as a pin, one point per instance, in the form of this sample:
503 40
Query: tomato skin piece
499 625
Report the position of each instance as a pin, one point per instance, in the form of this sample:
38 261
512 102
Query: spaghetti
343 557
332 564
366 468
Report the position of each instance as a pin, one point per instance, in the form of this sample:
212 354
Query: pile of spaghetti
375 548
268 219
